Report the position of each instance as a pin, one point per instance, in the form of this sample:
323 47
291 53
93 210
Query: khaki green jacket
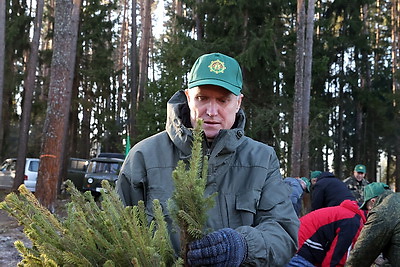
252 197
381 233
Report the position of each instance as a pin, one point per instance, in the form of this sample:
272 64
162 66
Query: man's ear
239 99
187 94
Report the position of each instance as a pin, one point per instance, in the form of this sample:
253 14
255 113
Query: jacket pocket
246 206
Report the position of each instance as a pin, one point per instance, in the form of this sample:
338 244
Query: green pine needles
109 234
188 205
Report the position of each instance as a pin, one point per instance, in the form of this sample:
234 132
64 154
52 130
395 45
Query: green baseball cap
373 190
315 174
216 69
360 168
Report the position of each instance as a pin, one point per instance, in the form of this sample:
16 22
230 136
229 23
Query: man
253 219
314 176
326 235
381 233
357 182
297 186
329 191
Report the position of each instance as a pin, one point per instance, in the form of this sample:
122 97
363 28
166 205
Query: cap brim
235 90
362 207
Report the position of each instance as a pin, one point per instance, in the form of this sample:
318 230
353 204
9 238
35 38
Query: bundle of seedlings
106 233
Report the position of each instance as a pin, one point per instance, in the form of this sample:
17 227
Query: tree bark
55 128
144 48
28 97
123 43
2 59
198 18
299 83
133 74
305 168
395 81
339 151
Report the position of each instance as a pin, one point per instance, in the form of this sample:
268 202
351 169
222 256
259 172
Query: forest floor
11 231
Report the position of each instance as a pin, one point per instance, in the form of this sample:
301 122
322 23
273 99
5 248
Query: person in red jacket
326 235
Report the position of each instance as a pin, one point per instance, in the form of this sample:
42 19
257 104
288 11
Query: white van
8 169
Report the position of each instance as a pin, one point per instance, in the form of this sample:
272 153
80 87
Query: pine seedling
188 205
92 234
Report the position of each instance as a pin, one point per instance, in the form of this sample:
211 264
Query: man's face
215 105
359 175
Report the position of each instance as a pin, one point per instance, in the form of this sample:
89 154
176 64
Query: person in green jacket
381 232
253 220
357 182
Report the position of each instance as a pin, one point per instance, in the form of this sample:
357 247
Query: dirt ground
11 231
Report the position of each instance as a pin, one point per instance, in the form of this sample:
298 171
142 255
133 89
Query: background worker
356 182
381 232
326 235
329 191
297 186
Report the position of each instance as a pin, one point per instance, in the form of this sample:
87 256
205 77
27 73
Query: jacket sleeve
373 238
295 189
272 240
130 184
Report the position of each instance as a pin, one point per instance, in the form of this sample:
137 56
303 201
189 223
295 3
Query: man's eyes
201 98
204 98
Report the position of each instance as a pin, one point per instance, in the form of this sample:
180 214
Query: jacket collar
325 175
382 196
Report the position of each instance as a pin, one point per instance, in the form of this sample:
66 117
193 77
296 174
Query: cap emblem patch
217 66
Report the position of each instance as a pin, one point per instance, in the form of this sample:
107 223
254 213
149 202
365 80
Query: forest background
321 78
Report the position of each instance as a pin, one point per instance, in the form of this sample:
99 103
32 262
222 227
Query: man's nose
212 108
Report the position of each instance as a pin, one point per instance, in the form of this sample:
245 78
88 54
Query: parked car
102 168
8 169
76 171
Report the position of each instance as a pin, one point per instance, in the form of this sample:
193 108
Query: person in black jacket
329 191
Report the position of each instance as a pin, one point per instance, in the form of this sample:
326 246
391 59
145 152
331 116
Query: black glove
224 247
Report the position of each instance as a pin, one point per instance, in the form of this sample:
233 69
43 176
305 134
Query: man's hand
224 247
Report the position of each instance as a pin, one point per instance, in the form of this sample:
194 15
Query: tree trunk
368 150
84 150
299 83
395 80
305 168
339 151
61 79
120 61
28 97
2 59
73 132
198 18
133 74
46 45
144 48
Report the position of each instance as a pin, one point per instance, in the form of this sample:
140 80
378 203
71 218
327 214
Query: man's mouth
211 122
